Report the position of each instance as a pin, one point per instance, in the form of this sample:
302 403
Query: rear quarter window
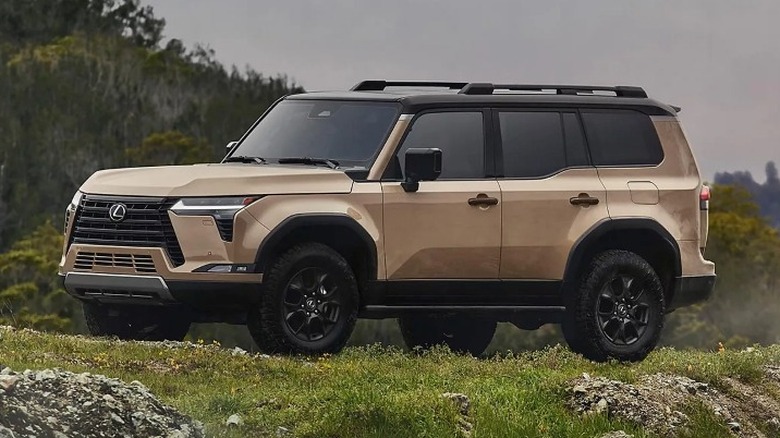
622 138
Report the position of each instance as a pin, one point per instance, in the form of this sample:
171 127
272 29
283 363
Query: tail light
704 198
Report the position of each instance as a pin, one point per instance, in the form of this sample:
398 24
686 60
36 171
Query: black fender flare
575 262
295 222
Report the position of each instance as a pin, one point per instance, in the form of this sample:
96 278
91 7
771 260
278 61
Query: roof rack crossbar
380 85
620 91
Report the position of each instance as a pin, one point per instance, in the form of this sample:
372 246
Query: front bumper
127 289
691 290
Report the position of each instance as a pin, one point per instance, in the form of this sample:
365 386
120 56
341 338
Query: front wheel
139 323
618 312
309 303
460 334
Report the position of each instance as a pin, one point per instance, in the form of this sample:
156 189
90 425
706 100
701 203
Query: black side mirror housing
420 164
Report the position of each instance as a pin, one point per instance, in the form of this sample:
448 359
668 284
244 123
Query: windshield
348 132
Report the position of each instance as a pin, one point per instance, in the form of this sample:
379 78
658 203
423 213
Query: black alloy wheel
312 304
617 312
309 302
623 310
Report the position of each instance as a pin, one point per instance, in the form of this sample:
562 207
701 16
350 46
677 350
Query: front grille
139 262
146 224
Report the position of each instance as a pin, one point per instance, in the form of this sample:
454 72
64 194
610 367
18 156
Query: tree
30 291
772 179
42 21
73 104
745 308
171 147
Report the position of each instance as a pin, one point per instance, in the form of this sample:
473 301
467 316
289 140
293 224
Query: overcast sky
718 59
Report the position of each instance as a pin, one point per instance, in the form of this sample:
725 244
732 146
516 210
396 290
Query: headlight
74 203
220 208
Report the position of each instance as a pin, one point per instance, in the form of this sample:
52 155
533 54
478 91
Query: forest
88 85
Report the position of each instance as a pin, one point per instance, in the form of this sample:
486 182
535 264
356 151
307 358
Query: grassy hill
378 392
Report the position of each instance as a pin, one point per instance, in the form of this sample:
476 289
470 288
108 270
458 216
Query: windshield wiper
306 160
244 159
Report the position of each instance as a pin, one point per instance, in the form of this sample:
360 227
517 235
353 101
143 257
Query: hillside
89 84
371 391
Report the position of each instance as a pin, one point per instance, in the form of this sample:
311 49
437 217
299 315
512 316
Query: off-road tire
139 323
267 321
460 334
582 324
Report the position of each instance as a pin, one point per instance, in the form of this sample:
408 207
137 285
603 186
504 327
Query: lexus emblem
117 212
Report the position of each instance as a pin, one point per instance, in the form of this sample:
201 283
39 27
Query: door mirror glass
420 164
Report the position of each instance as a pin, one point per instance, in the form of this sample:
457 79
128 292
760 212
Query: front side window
348 132
622 138
459 135
537 144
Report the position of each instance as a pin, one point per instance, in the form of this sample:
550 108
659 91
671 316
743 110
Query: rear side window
537 144
622 138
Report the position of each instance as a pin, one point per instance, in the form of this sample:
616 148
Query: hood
217 180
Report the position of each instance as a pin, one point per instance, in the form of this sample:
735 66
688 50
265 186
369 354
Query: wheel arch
643 236
338 231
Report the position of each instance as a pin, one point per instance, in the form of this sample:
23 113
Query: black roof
419 96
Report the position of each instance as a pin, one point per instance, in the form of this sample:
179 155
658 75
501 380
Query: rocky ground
59 404
374 391
658 401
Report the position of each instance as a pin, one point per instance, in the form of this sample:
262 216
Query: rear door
551 194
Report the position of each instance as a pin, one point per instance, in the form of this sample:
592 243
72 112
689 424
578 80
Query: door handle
483 200
584 200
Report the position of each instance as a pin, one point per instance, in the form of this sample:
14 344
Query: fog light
220 268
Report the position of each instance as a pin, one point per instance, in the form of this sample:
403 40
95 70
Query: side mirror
230 145
423 164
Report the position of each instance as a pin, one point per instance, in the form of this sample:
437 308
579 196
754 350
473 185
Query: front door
446 229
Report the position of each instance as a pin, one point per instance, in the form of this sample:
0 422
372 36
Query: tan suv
451 206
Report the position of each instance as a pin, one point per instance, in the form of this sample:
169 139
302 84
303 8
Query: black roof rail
620 91
478 88
380 85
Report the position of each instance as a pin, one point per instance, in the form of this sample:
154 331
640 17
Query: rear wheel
309 303
460 334
619 310
140 323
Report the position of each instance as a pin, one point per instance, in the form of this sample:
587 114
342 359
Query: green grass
374 391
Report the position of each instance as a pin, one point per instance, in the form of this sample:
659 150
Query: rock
461 401
234 420
282 431
602 407
655 402
238 351
46 375
463 404
578 389
5 371
7 382
6 432
617 434
61 404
